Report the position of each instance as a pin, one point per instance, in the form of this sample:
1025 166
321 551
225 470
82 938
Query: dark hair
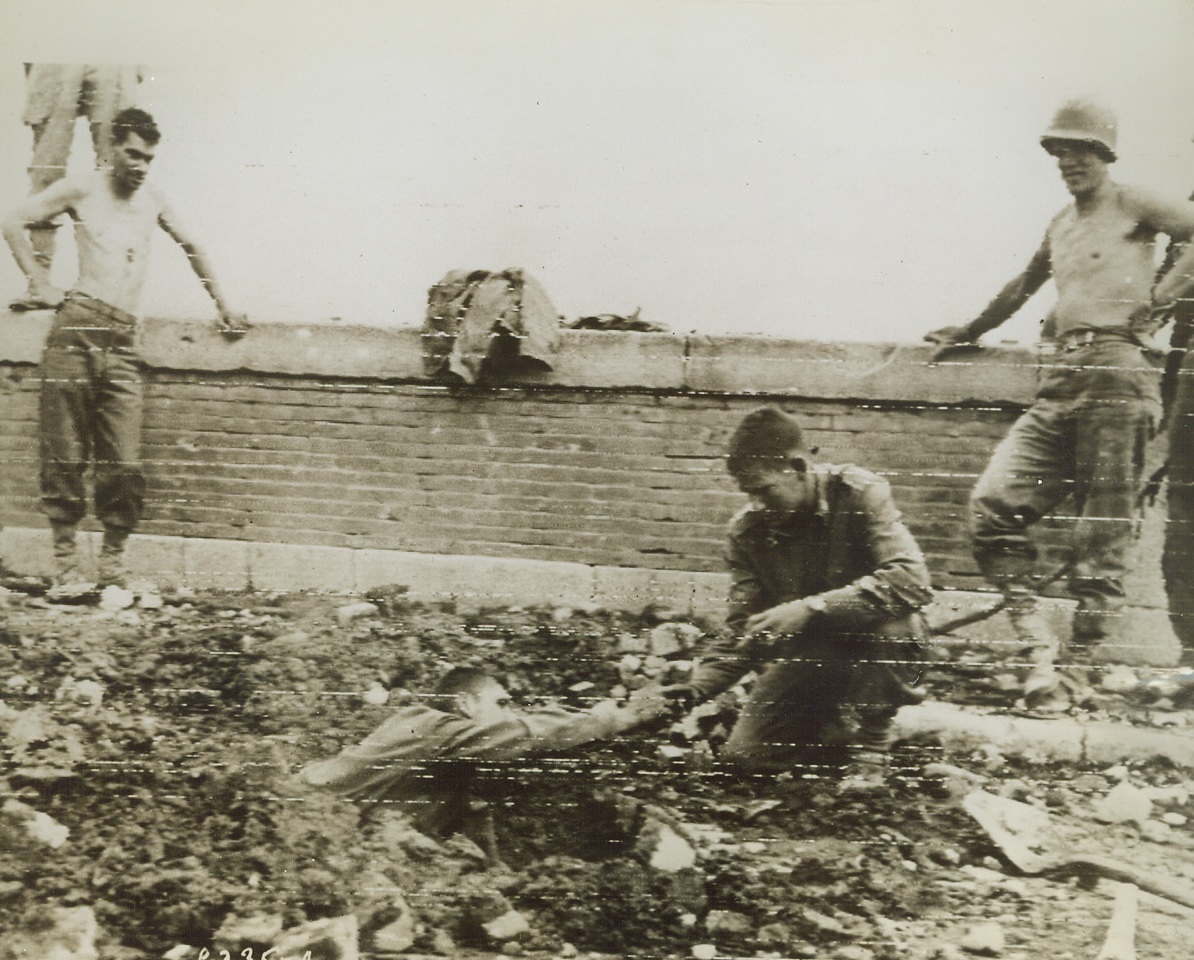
456 681
135 120
764 434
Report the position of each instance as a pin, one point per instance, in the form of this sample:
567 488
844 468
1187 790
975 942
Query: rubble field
149 806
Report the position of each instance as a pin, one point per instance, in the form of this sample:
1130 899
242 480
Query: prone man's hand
678 699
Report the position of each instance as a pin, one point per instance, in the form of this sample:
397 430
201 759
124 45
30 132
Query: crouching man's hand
787 618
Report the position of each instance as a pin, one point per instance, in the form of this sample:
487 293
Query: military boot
68 584
111 559
869 755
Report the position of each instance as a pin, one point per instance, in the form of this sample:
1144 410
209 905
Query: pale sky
807 169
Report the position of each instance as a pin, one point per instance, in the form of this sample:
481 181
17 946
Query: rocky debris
645 846
52 933
355 611
334 938
239 933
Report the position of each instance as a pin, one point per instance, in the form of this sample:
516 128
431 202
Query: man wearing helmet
1098 400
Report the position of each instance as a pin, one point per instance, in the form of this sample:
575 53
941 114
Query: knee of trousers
120 485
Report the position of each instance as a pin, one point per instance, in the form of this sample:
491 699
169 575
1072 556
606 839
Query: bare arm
230 322
1013 295
1010 299
50 203
1175 219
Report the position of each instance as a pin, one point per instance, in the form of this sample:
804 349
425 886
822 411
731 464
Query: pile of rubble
150 808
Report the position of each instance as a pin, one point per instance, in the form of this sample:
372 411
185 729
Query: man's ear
798 462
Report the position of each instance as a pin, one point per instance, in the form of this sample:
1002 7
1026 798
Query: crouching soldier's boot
869 755
111 559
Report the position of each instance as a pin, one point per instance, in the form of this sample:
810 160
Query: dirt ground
166 740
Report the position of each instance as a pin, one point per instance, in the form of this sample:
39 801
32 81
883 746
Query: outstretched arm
50 203
230 322
1010 299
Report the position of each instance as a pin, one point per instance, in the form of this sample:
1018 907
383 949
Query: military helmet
1086 122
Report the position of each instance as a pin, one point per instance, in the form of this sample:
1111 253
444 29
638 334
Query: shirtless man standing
1098 400
91 394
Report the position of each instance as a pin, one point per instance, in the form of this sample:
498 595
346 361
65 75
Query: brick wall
331 436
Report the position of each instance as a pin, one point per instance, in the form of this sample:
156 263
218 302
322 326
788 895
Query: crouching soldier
826 585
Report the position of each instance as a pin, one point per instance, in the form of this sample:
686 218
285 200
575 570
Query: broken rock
666 850
727 921
984 940
1123 803
509 925
354 611
39 826
334 938
237 933
671 638
55 933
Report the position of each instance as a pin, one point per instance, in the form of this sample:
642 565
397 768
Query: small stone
1156 831
396 936
333 938
567 951
1174 819
150 601
1119 679
822 922
1088 783
376 695
354 611
1123 803
774 934
670 752
984 939
704 951
562 614
584 686
506 927
114 598
632 643
727 921
39 826
668 851
671 638
236 931
853 952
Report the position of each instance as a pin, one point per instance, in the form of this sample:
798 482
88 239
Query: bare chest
113 228
1106 242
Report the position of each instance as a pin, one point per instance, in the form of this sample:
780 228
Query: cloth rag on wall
492 323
